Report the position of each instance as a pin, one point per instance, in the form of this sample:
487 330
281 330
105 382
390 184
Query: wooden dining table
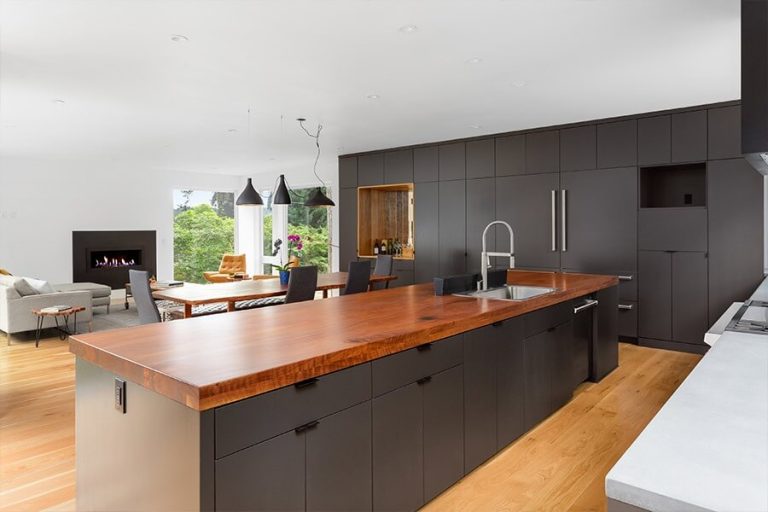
230 293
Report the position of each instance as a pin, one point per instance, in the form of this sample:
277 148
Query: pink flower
300 246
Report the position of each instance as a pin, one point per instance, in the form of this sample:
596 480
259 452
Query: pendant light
316 198
249 196
282 196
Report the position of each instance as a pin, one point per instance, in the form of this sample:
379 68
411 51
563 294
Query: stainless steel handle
589 303
625 278
553 203
563 213
626 307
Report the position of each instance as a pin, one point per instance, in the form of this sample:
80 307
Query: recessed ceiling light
519 83
373 96
474 60
408 29
475 126
178 38
232 130
59 101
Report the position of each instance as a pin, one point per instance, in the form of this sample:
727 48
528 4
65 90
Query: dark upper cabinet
542 152
510 155
525 202
672 229
578 148
348 172
689 297
481 209
452 161
338 461
480 389
370 169
398 166
481 159
347 227
451 227
510 380
654 140
655 315
426 238
601 220
425 164
734 207
689 136
724 132
617 144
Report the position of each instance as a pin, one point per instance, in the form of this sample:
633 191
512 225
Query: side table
63 329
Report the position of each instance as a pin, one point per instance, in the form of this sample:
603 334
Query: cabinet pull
625 278
306 383
553 204
564 214
626 307
590 303
424 380
306 426
426 346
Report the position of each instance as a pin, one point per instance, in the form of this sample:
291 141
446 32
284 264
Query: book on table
56 309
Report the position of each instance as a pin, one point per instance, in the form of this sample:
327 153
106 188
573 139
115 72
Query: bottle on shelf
376 247
383 248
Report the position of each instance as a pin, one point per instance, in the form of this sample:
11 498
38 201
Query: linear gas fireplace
106 256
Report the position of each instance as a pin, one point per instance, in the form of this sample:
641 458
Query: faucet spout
486 256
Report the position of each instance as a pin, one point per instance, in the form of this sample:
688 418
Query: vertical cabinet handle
553 204
564 214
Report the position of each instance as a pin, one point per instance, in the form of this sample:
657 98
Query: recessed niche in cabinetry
385 212
673 186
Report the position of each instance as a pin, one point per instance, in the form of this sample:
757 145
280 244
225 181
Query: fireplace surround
105 257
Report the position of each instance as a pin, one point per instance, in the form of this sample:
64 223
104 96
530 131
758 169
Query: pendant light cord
315 136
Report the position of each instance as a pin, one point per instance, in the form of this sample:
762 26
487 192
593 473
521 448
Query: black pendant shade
317 198
249 196
281 194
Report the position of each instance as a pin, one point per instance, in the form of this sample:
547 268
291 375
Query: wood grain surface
211 361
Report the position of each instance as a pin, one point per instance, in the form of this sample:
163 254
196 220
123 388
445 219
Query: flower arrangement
295 246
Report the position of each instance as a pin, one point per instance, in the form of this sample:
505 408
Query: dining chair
142 296
383 268
358 277
301 284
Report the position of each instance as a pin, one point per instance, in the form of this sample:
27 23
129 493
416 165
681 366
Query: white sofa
16 310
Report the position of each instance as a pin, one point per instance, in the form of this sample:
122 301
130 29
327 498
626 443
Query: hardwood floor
560 465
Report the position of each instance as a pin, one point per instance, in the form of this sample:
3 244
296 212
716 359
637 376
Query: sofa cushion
25 288
40 285
97 290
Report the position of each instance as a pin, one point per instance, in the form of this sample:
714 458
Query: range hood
754 83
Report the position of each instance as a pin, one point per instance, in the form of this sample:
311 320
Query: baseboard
674 345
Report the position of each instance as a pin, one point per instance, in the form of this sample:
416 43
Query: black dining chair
358 277
383 268
142 296
301 284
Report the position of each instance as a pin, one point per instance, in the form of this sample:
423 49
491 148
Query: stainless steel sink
509 292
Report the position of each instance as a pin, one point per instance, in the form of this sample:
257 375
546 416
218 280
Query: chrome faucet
485 257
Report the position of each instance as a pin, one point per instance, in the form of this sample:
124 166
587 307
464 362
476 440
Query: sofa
19 296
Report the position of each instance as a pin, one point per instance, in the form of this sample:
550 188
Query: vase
284 276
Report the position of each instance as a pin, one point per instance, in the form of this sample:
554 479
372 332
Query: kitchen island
372 401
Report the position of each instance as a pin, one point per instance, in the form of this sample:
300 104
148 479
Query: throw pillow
5 272
41 286
24 288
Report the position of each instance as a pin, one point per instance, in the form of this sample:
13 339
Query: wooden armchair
230 264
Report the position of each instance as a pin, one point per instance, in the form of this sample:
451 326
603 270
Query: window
203 231
313 227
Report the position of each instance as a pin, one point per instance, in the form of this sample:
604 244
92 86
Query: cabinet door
347 227
480 387
583 323
425 167
654 140
268 476
481 209
452 227
339 461
605 343
689 297
689 136
398 166
480 159
578 148
452 161
426 238
348 172
525 203
510 155
398 450
617 144
542 152
443 431
370 169
601 220
655 319
510 379
561 373
724 133
538 352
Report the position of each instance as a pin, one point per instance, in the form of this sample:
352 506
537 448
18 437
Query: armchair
230 264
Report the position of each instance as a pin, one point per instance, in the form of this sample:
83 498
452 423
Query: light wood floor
560 465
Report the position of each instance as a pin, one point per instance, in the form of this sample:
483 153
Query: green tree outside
201 236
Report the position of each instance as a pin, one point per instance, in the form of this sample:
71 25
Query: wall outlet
120 395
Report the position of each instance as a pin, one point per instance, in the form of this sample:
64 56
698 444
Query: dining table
191 294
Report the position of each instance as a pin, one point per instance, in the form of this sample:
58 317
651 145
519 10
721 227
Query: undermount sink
509 292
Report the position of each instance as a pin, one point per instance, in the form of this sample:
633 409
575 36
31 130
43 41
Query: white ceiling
132 94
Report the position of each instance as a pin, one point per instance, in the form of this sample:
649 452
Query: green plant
200 238
294 249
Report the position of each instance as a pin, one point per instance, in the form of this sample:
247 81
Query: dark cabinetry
542 152
452 226
452 161
347 227
370 169
689 136
617 144
425 166
510 155
398 166
481 210
724 132
578 148
481 162
427 258
348 172
654 140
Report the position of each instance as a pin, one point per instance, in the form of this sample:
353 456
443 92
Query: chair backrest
142 296
358 277
383 267
301 284
231 263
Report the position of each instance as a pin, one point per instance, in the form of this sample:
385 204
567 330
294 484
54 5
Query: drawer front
253 420
627 286
401 369
543 319
673 229
627 319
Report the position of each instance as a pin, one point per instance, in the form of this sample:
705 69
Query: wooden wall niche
384 212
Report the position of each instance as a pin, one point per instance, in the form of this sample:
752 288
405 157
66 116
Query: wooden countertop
215 360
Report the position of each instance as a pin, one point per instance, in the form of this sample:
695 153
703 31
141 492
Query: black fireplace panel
106 256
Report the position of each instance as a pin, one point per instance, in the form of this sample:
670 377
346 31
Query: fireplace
105 257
